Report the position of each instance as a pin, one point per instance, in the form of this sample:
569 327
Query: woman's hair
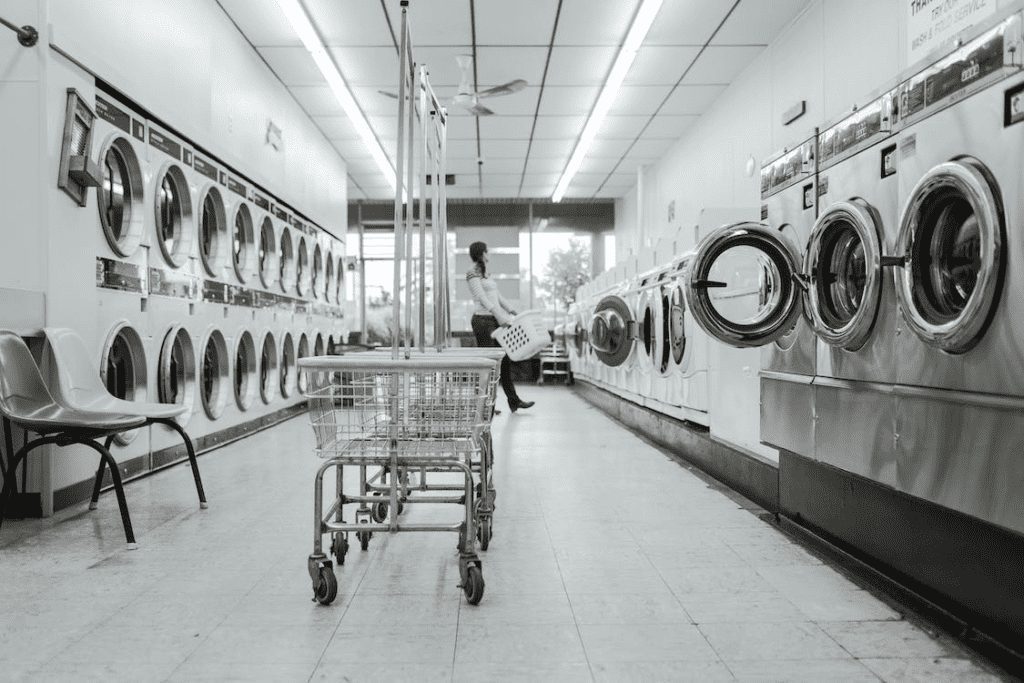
476 252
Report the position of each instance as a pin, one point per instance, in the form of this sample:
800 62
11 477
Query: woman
491 310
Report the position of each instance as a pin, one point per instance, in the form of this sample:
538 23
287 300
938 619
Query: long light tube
623 61
299 20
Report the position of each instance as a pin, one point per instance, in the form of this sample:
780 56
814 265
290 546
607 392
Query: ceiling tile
609 147
548 149
669 126
465 149
350 22
660 64
580 65
558 127
612 192
373 103
585 22
648 148
497 65
756 22
428 26
524 22
637 100
722 64
442 67
293 65
463 165
565 100
503 165
376 66
336 127
515 149
601 165
386 127
692 99
536 191
461 128
262 22
688 22
630 163
509 127
552 165
317 100
622 126
351 150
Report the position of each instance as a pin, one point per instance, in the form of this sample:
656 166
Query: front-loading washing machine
686 349
613 336
959 350
850 296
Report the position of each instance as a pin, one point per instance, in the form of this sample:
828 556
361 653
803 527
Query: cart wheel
379 512
474 585
339 547
325 589
364 538
401 507
483 532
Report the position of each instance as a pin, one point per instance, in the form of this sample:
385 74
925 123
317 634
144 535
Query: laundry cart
403 414
376 483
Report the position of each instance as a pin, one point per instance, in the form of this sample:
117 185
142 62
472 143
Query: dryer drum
318 271
243 244
741 286
302 268
245 371
123 370
844 264
612 331
953 238
213 231
287 365
120 197
268 368
176 371
286 261
302 351
267 253
213 376
173 215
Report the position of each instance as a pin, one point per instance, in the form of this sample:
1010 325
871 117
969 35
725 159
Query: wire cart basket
426 413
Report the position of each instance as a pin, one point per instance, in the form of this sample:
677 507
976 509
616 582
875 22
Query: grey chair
77 384
26 403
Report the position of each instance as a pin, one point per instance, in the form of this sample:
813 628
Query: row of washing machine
884 284
208 289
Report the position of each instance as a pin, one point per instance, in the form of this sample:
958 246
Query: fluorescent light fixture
637 32
299 20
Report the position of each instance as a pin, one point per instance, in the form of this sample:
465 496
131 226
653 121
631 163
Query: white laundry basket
524 337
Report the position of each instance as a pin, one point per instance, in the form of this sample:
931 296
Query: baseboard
145 465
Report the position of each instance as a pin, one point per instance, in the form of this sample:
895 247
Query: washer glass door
743 285
844 266
612 331
953 239
676 322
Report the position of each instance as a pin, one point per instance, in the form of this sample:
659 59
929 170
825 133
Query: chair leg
122 503
98 484
191 458
12 470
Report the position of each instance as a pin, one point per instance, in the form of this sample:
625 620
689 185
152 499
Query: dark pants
482 326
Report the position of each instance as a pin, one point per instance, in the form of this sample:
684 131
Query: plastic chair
78 385
26 402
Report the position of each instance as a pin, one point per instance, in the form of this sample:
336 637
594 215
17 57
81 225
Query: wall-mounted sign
931 23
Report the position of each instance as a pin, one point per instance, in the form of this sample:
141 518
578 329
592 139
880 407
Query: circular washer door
676 323
742 285
844 266
176 371
123 370
953 239
612 331
648 321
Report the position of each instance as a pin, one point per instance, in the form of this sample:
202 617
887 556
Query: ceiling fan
466 97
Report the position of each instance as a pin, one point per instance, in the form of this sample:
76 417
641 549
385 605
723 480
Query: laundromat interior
548 340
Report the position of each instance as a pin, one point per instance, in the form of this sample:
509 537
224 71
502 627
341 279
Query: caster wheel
462 540
473 587
339 548
484 533
325 589
379 512
364 539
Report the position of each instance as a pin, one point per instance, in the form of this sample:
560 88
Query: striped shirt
486 296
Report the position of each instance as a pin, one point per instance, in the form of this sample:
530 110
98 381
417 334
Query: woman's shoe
521 404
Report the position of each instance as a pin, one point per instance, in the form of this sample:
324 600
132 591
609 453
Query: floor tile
526 672
490 643
874 639
406 644
660 672
807 670
779 640
930 670
750 606
848 605
519 608
645 642
627 608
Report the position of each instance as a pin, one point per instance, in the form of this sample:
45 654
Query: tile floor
610 562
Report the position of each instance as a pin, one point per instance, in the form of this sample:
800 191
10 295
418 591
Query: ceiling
562 48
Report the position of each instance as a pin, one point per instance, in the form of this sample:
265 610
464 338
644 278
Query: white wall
835 54
187 63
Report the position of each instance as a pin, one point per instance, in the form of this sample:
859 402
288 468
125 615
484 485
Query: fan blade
503 89
479 110
385 93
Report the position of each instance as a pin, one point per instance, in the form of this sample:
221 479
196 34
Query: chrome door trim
602 325
678 348
970 179
866 223
782 254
